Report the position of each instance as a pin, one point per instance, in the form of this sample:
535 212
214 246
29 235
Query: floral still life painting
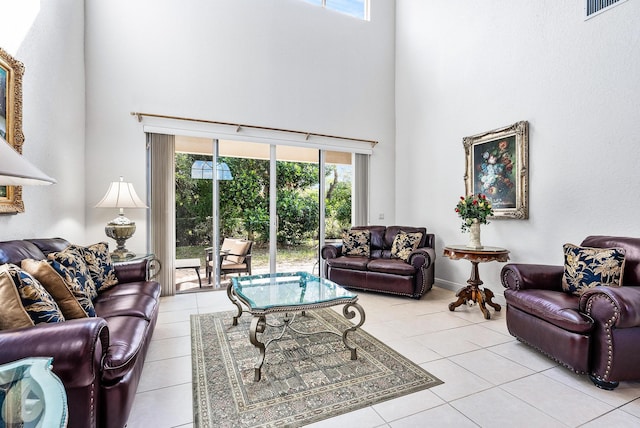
497 165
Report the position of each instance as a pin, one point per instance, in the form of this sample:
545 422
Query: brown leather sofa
597 333
99 360
380 272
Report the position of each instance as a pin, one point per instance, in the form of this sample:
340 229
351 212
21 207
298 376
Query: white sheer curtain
361 190
163 207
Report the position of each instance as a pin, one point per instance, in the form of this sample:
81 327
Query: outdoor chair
235 257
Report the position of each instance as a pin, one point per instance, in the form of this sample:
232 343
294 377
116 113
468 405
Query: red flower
475 202
462 198
457 210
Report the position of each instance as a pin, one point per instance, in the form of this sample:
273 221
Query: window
355 8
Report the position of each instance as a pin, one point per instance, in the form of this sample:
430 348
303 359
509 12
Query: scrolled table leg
234 300
350 314
258 325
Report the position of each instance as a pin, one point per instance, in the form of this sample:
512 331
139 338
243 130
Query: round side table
474 292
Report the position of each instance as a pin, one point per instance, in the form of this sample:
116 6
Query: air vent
594 7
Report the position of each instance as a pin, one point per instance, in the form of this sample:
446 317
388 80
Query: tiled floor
490 379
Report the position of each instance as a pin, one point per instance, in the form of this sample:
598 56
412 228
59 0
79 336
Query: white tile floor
490 379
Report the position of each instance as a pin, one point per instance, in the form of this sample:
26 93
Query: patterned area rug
304 378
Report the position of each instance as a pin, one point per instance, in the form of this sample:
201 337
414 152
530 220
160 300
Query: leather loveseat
380 270
597 332
98 359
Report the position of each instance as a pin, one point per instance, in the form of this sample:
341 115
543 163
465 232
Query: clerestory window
355 8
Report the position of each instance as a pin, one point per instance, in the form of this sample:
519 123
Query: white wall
284 64
48 38
464 67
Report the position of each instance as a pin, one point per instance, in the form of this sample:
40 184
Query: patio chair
235 257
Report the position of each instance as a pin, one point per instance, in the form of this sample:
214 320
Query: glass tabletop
290 289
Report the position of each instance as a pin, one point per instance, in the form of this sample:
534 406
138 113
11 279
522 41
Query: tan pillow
56 286
404 243
12 313
237 249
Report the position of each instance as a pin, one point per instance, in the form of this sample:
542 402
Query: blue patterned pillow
38 303
70 264
99 264
585 268
356 243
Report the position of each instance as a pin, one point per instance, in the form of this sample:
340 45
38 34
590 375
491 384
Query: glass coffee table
289 293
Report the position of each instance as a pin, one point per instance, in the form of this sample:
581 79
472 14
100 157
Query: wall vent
594 7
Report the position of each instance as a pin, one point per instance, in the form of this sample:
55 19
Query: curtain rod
239 126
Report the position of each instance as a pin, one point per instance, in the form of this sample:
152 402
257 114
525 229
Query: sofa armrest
422 257
614 306
132 271
331 251
77 347
521 276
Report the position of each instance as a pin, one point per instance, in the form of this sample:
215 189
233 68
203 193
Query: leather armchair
597 333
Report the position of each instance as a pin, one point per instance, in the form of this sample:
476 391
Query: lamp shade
15 170
121 195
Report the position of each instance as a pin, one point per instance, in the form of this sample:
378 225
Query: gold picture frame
11 72
497 164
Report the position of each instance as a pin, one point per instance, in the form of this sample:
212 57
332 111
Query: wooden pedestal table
474 292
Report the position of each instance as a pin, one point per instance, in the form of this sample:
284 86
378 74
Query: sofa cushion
404 243
392 266
131 305
70 264
35 299
76 287
99 265
356 243
585 268
351 262
12 313
15 251
126 341
557 308
56 286
237 249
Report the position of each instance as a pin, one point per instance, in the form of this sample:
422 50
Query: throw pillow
12 313
37 302
356 243
70 264
404 243
56 286
99 264
585 268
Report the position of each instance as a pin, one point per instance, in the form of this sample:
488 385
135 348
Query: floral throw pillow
404 243
99 264
70 264
356 243
37 302
585 268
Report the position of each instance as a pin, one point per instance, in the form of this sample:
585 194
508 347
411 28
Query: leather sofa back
631 275
18 250
382 238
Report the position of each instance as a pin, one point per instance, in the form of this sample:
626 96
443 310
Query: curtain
163 207
361 190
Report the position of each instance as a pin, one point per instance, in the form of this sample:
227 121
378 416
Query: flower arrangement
473 207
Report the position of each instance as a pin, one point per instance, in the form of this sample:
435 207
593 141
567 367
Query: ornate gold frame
11 196
497 164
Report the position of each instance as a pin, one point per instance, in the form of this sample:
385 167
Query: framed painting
11 72
497 164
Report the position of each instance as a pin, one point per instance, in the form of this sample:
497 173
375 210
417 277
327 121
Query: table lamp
15 170
121 195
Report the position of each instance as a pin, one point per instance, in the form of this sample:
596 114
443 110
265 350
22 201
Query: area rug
304 378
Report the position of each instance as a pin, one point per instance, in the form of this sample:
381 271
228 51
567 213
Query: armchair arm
521 276
77 347
615 306
331 251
